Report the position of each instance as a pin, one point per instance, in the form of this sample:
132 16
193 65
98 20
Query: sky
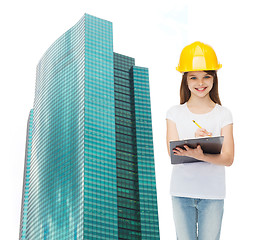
154 33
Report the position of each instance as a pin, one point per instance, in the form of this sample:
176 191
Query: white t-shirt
198 180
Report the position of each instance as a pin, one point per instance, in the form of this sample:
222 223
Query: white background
154 33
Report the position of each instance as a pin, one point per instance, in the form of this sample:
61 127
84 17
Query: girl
198 189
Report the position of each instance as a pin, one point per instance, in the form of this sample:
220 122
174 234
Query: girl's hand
202 132
196 153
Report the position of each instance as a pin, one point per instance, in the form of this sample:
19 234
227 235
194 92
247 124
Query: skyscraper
89 165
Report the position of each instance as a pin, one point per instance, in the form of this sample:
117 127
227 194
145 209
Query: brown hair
185 93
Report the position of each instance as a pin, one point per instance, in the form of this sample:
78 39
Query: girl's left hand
196 153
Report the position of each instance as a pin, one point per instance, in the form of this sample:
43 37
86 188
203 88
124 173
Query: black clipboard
211 145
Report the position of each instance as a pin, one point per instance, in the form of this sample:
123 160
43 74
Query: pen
196 124
200 127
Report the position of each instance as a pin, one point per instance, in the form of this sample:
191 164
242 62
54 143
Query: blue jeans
197 218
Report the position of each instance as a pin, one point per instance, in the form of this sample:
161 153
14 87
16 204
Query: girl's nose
200 82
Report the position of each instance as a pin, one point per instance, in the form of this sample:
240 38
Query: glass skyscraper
89 164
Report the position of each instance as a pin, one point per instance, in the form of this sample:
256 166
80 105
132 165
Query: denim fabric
197 219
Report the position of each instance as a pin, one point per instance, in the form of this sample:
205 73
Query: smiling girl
198 189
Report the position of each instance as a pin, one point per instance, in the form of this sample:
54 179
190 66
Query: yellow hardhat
198 57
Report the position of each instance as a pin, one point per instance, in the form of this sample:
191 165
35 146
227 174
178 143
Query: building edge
145 154
24 203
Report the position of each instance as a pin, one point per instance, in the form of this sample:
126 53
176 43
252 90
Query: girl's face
199 83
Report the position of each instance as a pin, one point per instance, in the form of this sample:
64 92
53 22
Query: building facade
89 165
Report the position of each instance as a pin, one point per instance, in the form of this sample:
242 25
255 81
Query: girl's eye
206 76
193 78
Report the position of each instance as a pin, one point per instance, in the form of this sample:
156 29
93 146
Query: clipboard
211 145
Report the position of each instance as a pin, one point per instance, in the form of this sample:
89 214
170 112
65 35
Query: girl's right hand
202 132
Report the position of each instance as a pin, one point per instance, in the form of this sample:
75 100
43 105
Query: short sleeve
171 113
226 117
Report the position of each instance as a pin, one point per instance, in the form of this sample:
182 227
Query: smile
201 89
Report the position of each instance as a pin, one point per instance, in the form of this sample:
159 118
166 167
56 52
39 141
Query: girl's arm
172 133
226 157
